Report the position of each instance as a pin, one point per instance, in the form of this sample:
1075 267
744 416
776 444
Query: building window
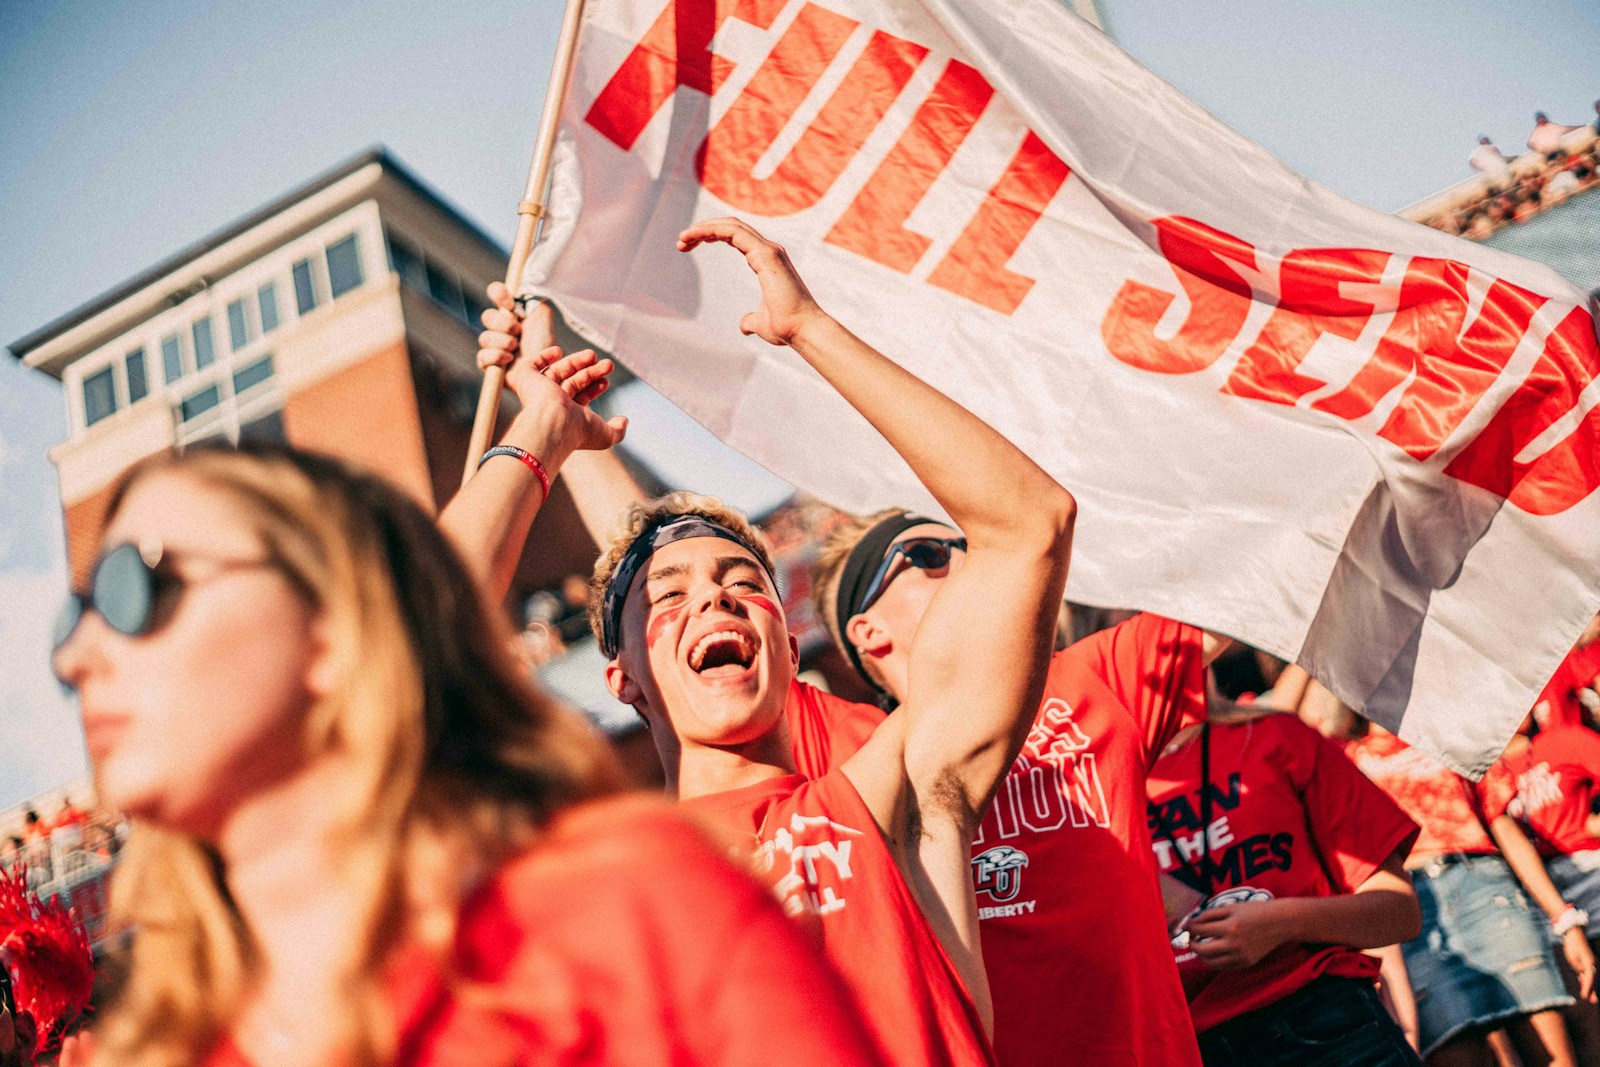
423 274
407 262
99 396
344 266
267 297
172 357
238 325
198 404
305 292
254 374
446 290
205 349
476 306
138 382
241 406
268 427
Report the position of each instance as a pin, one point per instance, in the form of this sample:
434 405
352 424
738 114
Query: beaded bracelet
525 456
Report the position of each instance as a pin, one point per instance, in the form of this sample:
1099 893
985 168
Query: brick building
341 317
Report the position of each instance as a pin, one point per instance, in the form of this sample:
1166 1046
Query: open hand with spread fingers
787 306
549 382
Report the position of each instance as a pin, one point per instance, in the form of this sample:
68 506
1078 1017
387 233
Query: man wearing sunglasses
1073 930
1097 980
875 851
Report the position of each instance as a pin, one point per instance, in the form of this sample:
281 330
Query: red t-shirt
1291 817
623 937
826 730
1558 701
1550 788
1074 933
1450 809
818 846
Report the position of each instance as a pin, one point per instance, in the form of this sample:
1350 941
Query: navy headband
856 575
664 531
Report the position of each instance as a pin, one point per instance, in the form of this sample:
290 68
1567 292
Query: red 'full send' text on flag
1442 361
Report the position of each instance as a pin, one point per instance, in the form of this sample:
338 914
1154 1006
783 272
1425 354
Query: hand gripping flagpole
531 210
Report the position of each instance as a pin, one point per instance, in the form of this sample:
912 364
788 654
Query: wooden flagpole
531 210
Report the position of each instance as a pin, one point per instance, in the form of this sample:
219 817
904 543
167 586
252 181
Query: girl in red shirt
361 838
1483 960
1549 784
1297 860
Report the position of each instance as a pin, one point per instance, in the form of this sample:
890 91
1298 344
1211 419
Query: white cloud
41 736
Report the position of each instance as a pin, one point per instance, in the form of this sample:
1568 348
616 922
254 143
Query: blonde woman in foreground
360 837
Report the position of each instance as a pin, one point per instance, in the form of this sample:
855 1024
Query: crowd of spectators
553 620
1516 987
1560 162
67 855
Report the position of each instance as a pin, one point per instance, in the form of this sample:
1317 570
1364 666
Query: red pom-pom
47 952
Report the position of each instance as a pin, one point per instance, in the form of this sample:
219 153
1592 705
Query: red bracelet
525 456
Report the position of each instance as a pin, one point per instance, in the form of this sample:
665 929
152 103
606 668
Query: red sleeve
665 943
1584 746
1355 826
1495 790
1156 667
1562 682
226 1054
1585 664
825 730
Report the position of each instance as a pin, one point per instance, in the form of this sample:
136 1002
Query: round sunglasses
134 588
923 553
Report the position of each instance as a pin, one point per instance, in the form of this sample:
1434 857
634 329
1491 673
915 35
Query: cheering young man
875 849
1074 934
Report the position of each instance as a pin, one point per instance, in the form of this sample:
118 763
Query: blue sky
135 128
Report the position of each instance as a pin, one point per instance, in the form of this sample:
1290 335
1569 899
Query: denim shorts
1483 956
1578 878
1329 1022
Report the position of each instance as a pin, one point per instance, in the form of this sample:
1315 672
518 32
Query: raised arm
978 664
600 484
977 668
489 518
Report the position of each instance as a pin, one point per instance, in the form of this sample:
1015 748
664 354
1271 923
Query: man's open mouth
722 652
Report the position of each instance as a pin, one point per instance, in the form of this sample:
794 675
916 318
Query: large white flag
1347 439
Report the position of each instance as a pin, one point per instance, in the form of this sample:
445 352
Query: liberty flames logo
998 872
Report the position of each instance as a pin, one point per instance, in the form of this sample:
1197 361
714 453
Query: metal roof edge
376 154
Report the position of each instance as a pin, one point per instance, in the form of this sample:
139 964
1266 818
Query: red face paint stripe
660 622
761 602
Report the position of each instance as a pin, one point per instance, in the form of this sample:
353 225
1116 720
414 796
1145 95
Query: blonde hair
828 568
641 517
458 756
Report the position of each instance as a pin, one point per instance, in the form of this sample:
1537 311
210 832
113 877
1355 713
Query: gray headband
663 531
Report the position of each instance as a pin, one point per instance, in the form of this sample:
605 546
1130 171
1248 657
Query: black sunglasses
124 588
923 553
134 588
